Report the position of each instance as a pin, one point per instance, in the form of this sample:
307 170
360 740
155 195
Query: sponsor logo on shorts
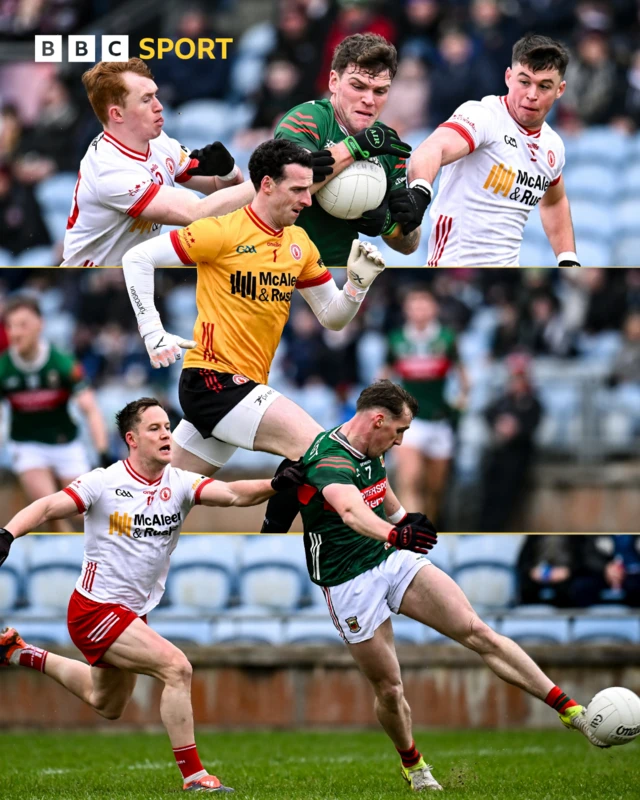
261 398
124 493
240 379
296 251
354 625
165 493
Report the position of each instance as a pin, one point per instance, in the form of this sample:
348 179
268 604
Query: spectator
406 108
420 22
10 132
606 300
279 92
545 568
608 571
506 337
21 223
626 367
513 419
307 357
299 41
493 34
545 333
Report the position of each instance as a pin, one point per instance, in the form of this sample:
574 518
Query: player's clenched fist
6 540
364 264
408 205
165 348
415 532
214 159
379 140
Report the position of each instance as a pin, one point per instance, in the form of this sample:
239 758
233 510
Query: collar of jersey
137 476
44 351
260 224
342 439
127 151
527 131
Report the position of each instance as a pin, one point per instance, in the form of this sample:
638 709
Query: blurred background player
123 578
353 534
126 188
39 381
423 354
500 159
362 69
249 264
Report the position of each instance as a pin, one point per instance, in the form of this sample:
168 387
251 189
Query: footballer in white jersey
499 159
115 184
131 527
484 200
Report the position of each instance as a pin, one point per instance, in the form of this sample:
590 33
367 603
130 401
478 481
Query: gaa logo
165 493
296 252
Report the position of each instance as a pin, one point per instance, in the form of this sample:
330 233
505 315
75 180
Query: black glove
418 535
322 165
214 159
380 140
376 222
408 206
105 460
6 540
291 476
569 264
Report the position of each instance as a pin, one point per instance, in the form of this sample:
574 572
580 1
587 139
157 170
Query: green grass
544 765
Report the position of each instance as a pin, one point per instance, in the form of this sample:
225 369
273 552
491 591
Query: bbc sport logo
50 48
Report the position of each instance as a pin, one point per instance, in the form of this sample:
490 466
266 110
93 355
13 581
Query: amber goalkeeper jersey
247 273
335 552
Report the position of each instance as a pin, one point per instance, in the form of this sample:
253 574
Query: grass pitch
544 765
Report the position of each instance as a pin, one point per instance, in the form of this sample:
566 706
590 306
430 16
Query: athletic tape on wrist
568 256
231 175
397 516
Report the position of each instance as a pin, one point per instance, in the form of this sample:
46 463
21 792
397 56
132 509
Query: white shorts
433 439
64 460
359 606
237 428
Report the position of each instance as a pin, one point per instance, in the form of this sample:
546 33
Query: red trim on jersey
183 177
535 132
180 251
137 476
443 229
557 180
260 224
136 155
89 576
324 278
300 130
462 131
200 488
143 201
76 498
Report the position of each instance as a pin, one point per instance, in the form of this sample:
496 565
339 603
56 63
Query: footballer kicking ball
613 716
358 188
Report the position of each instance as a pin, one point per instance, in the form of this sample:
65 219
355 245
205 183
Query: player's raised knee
389 692
479 636
177 669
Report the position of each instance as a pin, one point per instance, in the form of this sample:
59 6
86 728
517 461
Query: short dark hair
368 51
387 395
271 157
129 417
22 301
539 53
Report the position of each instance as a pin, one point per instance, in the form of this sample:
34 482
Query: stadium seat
309 627
56 193
10 586
409 631
36 257
593 253
484 569
624 630
248 625
273 573
626 252
55 564
601 144
42 632
203 121
591 220
203 572
532 253
602 347
626 217
631 180
530 630
593 182
186 631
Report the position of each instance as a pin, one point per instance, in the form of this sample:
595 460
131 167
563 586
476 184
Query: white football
358 188
614 715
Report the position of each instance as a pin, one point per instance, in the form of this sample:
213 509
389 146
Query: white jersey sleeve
125 190
86 489
474 122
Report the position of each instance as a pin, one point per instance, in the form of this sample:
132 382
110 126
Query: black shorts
206 396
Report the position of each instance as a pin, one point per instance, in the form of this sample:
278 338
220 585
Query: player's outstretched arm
138 265
555 215
251 493
55 506
418 534
335 308
172 206
443 147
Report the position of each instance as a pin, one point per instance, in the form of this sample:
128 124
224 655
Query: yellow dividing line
299 533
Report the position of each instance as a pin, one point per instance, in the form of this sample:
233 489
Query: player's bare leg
436 471
377 659
286 430
434 599
40 482
410 479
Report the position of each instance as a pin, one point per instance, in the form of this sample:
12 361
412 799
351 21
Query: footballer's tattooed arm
406 244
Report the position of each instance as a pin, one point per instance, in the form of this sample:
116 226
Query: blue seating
248 625
182 631
595 182
311 628
203 572
631 180
591 220
10 586
56 193
593 253
484 569
37 257
624 630
626 218
273 572
627 251
55 565
42 632
200 122
408 631
601 144
530 630
532 253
